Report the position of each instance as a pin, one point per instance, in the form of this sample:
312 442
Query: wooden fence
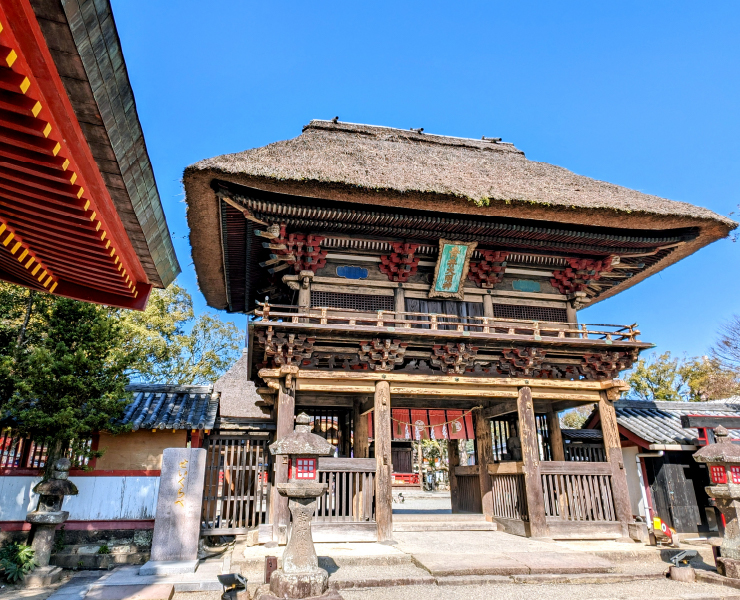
235 491
578 491
351 490
509 496
468 489
584 452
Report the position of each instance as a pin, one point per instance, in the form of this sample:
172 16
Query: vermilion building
80 214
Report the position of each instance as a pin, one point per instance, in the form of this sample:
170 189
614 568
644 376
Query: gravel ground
654 590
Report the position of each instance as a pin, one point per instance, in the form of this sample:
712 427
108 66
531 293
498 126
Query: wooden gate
236 489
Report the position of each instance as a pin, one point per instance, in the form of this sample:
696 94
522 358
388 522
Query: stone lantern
723 461
301 576
46 517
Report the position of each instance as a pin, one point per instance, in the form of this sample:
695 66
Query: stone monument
723 461
300 575
177 522
45 519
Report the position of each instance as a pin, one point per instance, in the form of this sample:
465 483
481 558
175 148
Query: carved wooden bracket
579 272
488 272
606 365
524 362
335 361
454 358
400 264
382 355
286 348
297 250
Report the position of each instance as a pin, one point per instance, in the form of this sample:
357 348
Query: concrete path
654 590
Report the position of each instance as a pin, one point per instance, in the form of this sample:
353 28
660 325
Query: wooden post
304 294
613 447
484 457
453 461
361 447
487 306
556 436
399 304
571 315
285 424
531 464
383 483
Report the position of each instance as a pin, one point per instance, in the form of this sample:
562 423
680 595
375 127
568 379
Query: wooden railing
584 452
578 491
509 491
410 320
351 492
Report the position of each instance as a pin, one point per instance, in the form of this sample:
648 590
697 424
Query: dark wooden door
675 500
401 460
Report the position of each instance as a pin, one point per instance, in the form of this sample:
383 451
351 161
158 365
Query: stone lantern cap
58 484
302 441
722 451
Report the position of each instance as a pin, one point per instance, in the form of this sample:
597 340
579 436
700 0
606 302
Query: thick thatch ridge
381 158
382 166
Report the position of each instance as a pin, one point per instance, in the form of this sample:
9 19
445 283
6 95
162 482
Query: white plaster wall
633 480
16 497
100 498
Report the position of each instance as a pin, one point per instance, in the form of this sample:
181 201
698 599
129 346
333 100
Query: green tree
69 382
576 418
665 378
167 343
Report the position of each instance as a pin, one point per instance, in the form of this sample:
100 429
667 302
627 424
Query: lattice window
305 468
530 313
735 471
718 474
361 302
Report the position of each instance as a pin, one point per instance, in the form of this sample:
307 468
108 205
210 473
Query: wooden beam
348 376
710 421
556 436
484 457
361 446
530 464
367 406
613 447
383 481
453 461
285 422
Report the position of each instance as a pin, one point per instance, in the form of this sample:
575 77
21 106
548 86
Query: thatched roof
382 166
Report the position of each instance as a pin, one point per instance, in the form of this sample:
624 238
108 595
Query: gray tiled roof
171 407
582 434
660 422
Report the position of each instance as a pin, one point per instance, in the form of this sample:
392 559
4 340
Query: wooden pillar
613 447
285 424
556 436
399 301
383 482
531 464
484 457
304 293
570 314
487 306
453 461
361 447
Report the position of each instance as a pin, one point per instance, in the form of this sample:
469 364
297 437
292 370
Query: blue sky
642 94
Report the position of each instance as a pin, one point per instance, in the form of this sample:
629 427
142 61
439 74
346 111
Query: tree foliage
667 378
576 418
167 343
727 348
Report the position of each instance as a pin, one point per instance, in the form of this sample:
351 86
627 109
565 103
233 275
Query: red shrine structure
402 285
80 215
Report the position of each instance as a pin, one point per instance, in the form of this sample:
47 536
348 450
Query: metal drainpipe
645 504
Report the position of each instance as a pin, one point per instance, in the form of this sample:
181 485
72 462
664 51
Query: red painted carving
305 250
606 365
580 271
488 272
382 355
524 362
400 264
454 359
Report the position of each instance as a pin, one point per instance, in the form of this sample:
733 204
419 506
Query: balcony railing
345 317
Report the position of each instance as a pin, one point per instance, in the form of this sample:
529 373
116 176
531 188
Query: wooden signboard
452 269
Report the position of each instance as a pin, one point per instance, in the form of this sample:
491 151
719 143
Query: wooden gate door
236 494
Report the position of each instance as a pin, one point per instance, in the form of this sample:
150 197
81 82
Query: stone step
481 525
74 560
436 517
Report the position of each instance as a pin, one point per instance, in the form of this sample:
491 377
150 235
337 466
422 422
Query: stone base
298 585
729 567
43 576
263 593
639 532
169 567
682 574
